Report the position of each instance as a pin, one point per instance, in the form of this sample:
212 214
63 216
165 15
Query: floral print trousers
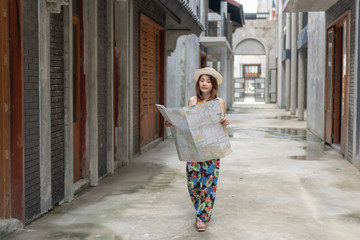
202 179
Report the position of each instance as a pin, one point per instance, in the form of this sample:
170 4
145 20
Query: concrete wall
316 73
182 63
262 30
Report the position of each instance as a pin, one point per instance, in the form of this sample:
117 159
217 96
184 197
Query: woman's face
205 84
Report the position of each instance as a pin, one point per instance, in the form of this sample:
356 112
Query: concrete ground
280 182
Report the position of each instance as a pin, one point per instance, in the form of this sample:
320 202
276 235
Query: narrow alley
280 182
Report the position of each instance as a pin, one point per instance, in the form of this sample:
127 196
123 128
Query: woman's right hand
167 124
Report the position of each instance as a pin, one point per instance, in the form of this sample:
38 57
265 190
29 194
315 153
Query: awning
234 8
182 16
307 5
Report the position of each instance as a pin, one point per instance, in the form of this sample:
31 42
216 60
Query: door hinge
81 61
334 55
333 115
334 76
333 96
332 136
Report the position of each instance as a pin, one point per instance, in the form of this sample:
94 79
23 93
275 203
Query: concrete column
123 55
110 87
68 103
301 85
293 91
224 7
223 71
301 76
280 76
45 107
230 93
91 73
287 63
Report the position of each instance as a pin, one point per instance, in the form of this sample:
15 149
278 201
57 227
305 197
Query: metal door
259 89
273 85
239 90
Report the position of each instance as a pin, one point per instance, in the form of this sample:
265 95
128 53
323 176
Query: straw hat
208 71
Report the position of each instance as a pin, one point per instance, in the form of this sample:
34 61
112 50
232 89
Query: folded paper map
197 132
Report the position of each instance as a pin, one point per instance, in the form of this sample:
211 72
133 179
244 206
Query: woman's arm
224 121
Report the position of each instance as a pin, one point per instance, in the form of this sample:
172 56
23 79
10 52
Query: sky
250 6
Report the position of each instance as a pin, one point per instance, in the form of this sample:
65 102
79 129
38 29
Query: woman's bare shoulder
192 100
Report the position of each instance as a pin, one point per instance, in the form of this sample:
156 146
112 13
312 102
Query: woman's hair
214 90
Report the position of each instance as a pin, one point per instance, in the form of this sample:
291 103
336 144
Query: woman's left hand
225 121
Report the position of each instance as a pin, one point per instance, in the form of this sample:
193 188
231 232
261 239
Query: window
212 30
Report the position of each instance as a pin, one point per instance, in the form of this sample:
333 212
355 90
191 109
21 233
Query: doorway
151 79
77 106
337 81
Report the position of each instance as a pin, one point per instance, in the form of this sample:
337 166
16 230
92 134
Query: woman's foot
200 226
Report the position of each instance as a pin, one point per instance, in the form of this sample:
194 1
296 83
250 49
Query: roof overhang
234 8
181 17
307 5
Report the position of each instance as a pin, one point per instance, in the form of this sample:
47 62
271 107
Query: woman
202 177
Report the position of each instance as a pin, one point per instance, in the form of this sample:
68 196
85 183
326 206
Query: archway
250 71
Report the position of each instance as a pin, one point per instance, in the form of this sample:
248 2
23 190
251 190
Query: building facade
332 70
79 83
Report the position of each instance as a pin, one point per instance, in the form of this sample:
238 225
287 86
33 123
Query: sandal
200 226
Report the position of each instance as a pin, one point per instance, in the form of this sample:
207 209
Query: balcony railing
218 26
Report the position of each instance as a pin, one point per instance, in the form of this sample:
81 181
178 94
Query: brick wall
331 15
157 14
31 108
102 43
57 106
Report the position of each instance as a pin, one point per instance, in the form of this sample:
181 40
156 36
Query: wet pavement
280 182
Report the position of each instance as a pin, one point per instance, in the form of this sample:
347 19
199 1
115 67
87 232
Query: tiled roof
188 8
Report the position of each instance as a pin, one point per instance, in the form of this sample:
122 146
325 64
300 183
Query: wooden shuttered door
151 79
4 112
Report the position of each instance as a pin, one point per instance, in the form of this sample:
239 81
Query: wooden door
345 54
4 111
329 85
76 94
150 79
336 94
